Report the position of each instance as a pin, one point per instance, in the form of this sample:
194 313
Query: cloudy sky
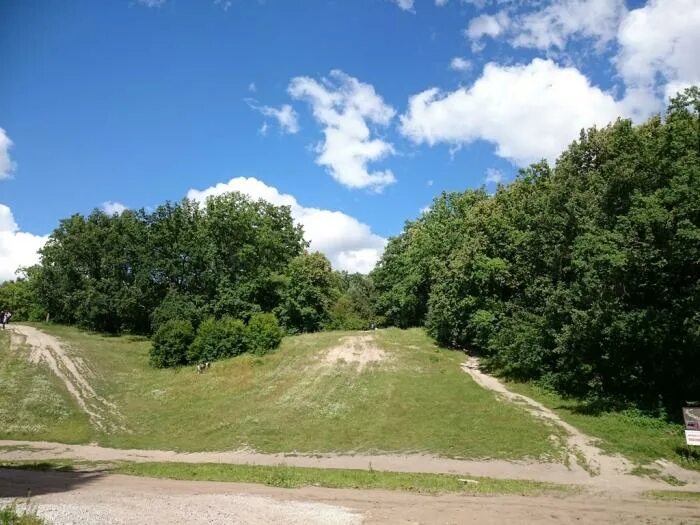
355 113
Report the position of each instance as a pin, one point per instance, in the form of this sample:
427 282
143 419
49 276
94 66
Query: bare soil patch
358 350
70 369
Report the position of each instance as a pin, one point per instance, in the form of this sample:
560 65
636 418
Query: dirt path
115 499
71 370
584 454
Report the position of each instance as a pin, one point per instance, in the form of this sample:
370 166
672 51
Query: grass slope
34 404
419 401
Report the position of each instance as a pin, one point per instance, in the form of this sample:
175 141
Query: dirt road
114 499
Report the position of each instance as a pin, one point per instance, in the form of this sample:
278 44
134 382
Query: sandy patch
71 370
358 350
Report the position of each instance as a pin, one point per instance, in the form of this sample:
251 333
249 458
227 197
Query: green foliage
264 333
178 306
133 271
307 298
21 299
353 309
170 344
583 276
218 339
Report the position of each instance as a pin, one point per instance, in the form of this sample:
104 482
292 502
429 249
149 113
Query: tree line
583 276
231 257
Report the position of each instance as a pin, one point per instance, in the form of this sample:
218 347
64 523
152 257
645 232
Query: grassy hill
416 400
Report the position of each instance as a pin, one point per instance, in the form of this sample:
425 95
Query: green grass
641 438
294 477
17 514
287 401
34 404
284 476
673 495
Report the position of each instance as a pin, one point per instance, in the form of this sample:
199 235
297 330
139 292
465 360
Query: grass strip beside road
295 477
284 476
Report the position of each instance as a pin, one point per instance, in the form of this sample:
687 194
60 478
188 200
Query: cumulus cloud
345 107
528 111
460 64
111 207
285 116
7 165
658 55
349 244
17 248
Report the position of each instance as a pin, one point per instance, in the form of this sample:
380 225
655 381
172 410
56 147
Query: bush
218 339
264 333
170 343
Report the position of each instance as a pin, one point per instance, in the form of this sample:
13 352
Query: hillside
305 397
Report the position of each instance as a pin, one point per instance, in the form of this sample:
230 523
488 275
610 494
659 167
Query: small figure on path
5 316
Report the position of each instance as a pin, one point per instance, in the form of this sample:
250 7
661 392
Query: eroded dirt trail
608 469
71 370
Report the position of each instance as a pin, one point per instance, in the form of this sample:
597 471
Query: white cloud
486 25
252 87
285 116
17 248
405 5
659 46
111 207
348 243
425 209
344 106
528 111
7 165
493 176
460 64
440 3
552 26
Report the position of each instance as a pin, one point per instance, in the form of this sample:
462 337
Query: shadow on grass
33 479
688 453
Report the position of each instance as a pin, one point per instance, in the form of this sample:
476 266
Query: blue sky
323 105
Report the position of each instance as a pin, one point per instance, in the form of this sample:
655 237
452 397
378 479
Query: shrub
264 333
218 339
170 343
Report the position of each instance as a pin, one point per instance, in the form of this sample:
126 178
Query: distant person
6 316
2 318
